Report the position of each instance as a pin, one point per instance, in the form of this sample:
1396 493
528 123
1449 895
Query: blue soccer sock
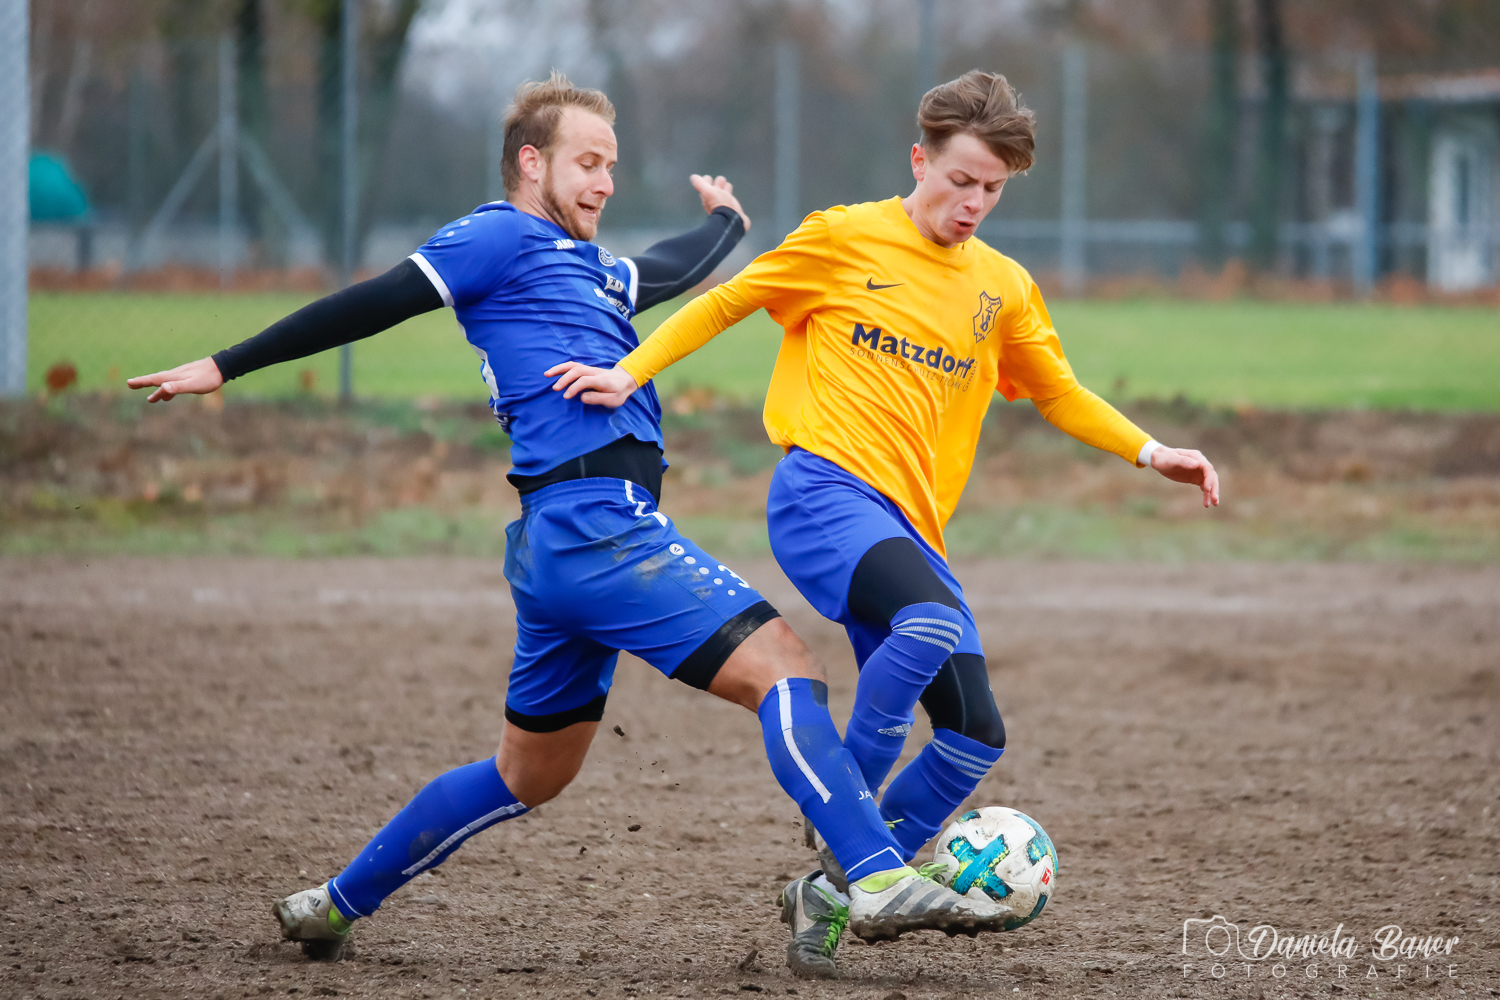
449 810
814 768
933 785
892 679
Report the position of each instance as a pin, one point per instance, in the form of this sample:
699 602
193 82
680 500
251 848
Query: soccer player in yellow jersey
900 326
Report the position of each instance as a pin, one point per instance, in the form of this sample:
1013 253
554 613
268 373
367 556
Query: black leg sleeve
959 698
359 311
892 575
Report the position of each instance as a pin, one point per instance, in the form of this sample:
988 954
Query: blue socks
933 785
811 764
449 810
892 679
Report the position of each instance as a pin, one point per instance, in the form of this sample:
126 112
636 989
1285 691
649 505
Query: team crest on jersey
989 305
606 258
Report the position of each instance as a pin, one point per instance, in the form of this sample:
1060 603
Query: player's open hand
600 386
200 377
716 191
1184 465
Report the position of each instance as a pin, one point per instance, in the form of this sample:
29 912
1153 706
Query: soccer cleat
310 917
816 918
832 870
886 905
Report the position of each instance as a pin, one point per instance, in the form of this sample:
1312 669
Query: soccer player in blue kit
594 566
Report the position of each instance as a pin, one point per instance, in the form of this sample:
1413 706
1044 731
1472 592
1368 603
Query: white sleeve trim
635 279
1147 450
432 276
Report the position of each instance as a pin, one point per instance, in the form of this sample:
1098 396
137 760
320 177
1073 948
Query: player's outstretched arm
1185 465
359 311
1083 415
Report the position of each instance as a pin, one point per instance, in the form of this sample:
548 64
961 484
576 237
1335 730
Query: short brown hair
533 116
985 106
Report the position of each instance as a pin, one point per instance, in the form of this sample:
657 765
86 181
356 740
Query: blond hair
985 106
533 117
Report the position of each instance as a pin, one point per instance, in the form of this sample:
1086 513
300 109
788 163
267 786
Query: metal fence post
350 166
229 178
15 210
1367 175
788 129
927 60
494 146
1074 168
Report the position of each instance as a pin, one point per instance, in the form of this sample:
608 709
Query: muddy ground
1306 746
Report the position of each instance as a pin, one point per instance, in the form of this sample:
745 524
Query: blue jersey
529 297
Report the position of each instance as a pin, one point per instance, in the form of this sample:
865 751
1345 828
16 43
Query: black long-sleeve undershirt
665 270
671 267
354 313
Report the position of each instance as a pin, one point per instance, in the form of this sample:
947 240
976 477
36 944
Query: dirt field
1305 746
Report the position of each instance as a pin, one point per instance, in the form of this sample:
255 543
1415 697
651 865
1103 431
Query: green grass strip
1240 353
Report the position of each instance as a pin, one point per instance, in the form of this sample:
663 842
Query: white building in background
1462 198
1438 178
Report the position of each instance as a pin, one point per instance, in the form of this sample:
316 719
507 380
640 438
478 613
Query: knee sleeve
959 698
892 575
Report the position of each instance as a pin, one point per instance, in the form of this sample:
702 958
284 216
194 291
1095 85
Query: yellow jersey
894 347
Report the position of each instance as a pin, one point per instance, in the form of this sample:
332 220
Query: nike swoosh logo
870 284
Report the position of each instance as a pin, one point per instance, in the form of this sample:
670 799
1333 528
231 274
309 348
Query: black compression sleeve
671 267
355 313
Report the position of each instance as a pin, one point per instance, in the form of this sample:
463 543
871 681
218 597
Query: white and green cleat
310 917
816 914
886 905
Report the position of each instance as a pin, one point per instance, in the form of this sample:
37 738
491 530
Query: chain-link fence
211 148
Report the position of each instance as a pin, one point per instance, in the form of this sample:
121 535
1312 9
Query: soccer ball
999 854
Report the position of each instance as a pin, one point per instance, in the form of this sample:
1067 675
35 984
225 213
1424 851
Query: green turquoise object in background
55 195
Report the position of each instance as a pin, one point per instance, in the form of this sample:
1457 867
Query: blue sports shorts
595 568
822 520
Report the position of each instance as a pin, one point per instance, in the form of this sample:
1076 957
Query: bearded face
568 214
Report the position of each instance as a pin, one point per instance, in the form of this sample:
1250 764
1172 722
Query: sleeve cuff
435 278
635 280
1147 450
632 371
223 361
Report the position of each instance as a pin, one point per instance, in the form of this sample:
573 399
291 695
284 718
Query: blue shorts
822 520
594 568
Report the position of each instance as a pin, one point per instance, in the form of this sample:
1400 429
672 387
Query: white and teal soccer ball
999 854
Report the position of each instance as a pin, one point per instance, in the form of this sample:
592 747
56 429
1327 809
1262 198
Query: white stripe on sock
899 863
342 901
957 630
925 630
943 645
974 757
957 754
784 701
958 762
474 827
